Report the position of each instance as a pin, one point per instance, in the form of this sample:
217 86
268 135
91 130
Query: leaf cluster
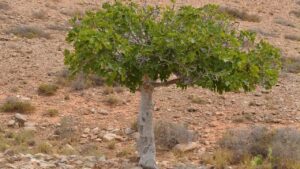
200 46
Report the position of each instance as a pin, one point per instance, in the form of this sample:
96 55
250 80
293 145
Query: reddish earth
27 63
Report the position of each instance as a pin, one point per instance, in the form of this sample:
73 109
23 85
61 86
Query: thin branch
167 83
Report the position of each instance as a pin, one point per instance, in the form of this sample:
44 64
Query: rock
128 131
111 136
28 126
20 119
186 147
11 123
93 110
103 112
95 130
86 130
136 135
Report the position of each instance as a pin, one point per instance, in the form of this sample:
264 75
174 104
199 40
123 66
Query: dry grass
91 149
58 27
27 31
295 13
47 89
39 14
291 65
259 147
284 22
14 104
52 113
168 135
197 99
263 33
107 90
66 130
240 14
45 148
292 37
112 100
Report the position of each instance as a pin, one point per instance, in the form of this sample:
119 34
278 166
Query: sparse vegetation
295 13
263 33
90 150
47 89
291 64
258 147
39 14
14 104
119 89
197 99
240 14
29 32
112 100
66 130
107 90
44 147
111 145
168 135
293 37
58 27
284 22
52 113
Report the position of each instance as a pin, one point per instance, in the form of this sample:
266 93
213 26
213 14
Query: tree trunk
146 142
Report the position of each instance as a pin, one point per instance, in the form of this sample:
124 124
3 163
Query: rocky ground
91 123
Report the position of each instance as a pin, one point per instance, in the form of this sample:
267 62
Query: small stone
93 110
103 112
86 130
186 147
20 119
11 123
95 130
128 131
110 137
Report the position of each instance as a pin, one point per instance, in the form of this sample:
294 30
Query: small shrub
58 27
126 152
23 137
52 113
168 135
197 100
79 83
14 104
221 158
119 89
112 100
286 146
242 15
111 145
66 130
134 125
96 80
108 90
244 142
90 150
284 22
39 14
45 148
263 148
29 32
292 37
291 65
295 13
47 89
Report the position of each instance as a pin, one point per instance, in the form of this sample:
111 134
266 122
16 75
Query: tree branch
167 83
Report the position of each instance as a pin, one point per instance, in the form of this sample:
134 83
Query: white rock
186 147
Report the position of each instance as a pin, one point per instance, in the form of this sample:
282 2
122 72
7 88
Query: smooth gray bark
146 142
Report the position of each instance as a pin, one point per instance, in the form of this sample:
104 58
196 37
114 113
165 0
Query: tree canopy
123 42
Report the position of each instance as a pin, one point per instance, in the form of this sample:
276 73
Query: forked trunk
146 143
